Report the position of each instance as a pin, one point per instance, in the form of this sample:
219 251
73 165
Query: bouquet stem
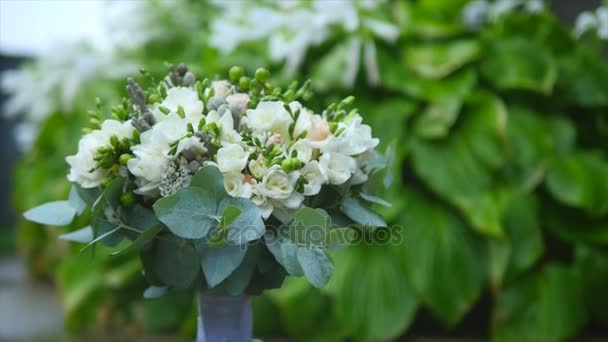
224 318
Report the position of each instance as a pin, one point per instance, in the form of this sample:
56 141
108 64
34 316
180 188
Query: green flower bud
235 73
244 83
261 75
114 141
154 98
127 199
286 165
295 163
124 158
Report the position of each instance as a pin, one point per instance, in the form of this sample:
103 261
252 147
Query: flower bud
235 73
127 199
261 75
286 165
124 158
244 83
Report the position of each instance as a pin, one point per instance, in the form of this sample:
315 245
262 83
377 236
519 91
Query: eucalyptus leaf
218 263
190 213
356 211
285 252
209 178
248 225
58 213
309 226
316 264
83 235
155 292
79 204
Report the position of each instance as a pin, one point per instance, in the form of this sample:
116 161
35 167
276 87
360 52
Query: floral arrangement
237 178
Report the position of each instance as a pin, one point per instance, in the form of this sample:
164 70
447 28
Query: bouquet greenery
233 178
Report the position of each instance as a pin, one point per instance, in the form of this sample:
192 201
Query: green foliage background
500 187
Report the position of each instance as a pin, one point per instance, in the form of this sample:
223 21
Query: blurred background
495 112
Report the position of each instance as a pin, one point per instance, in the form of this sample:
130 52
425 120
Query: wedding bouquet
235 179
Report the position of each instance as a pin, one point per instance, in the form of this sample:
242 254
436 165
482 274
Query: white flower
149 162
314 175
170 130
236 186
229 135
185 97
258 168
318 130
276 184
303 149
193 144
355 139
338 167
232 158
263 203
82 164
269 116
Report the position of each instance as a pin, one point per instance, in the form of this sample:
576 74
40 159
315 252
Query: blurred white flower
291 28
478 12
592 21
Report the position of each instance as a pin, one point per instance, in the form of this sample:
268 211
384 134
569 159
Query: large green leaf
463 167
583 79
381 305
438 118
522 245
531 145
593 266
441 258
397 77
545 306
438 60
521 64
580 180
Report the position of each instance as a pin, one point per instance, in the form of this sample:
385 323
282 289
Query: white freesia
269 116
236 186
82 165
185 97
356 138
315 177
338 167
303 149
149 162
229 135
192 144
232 158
